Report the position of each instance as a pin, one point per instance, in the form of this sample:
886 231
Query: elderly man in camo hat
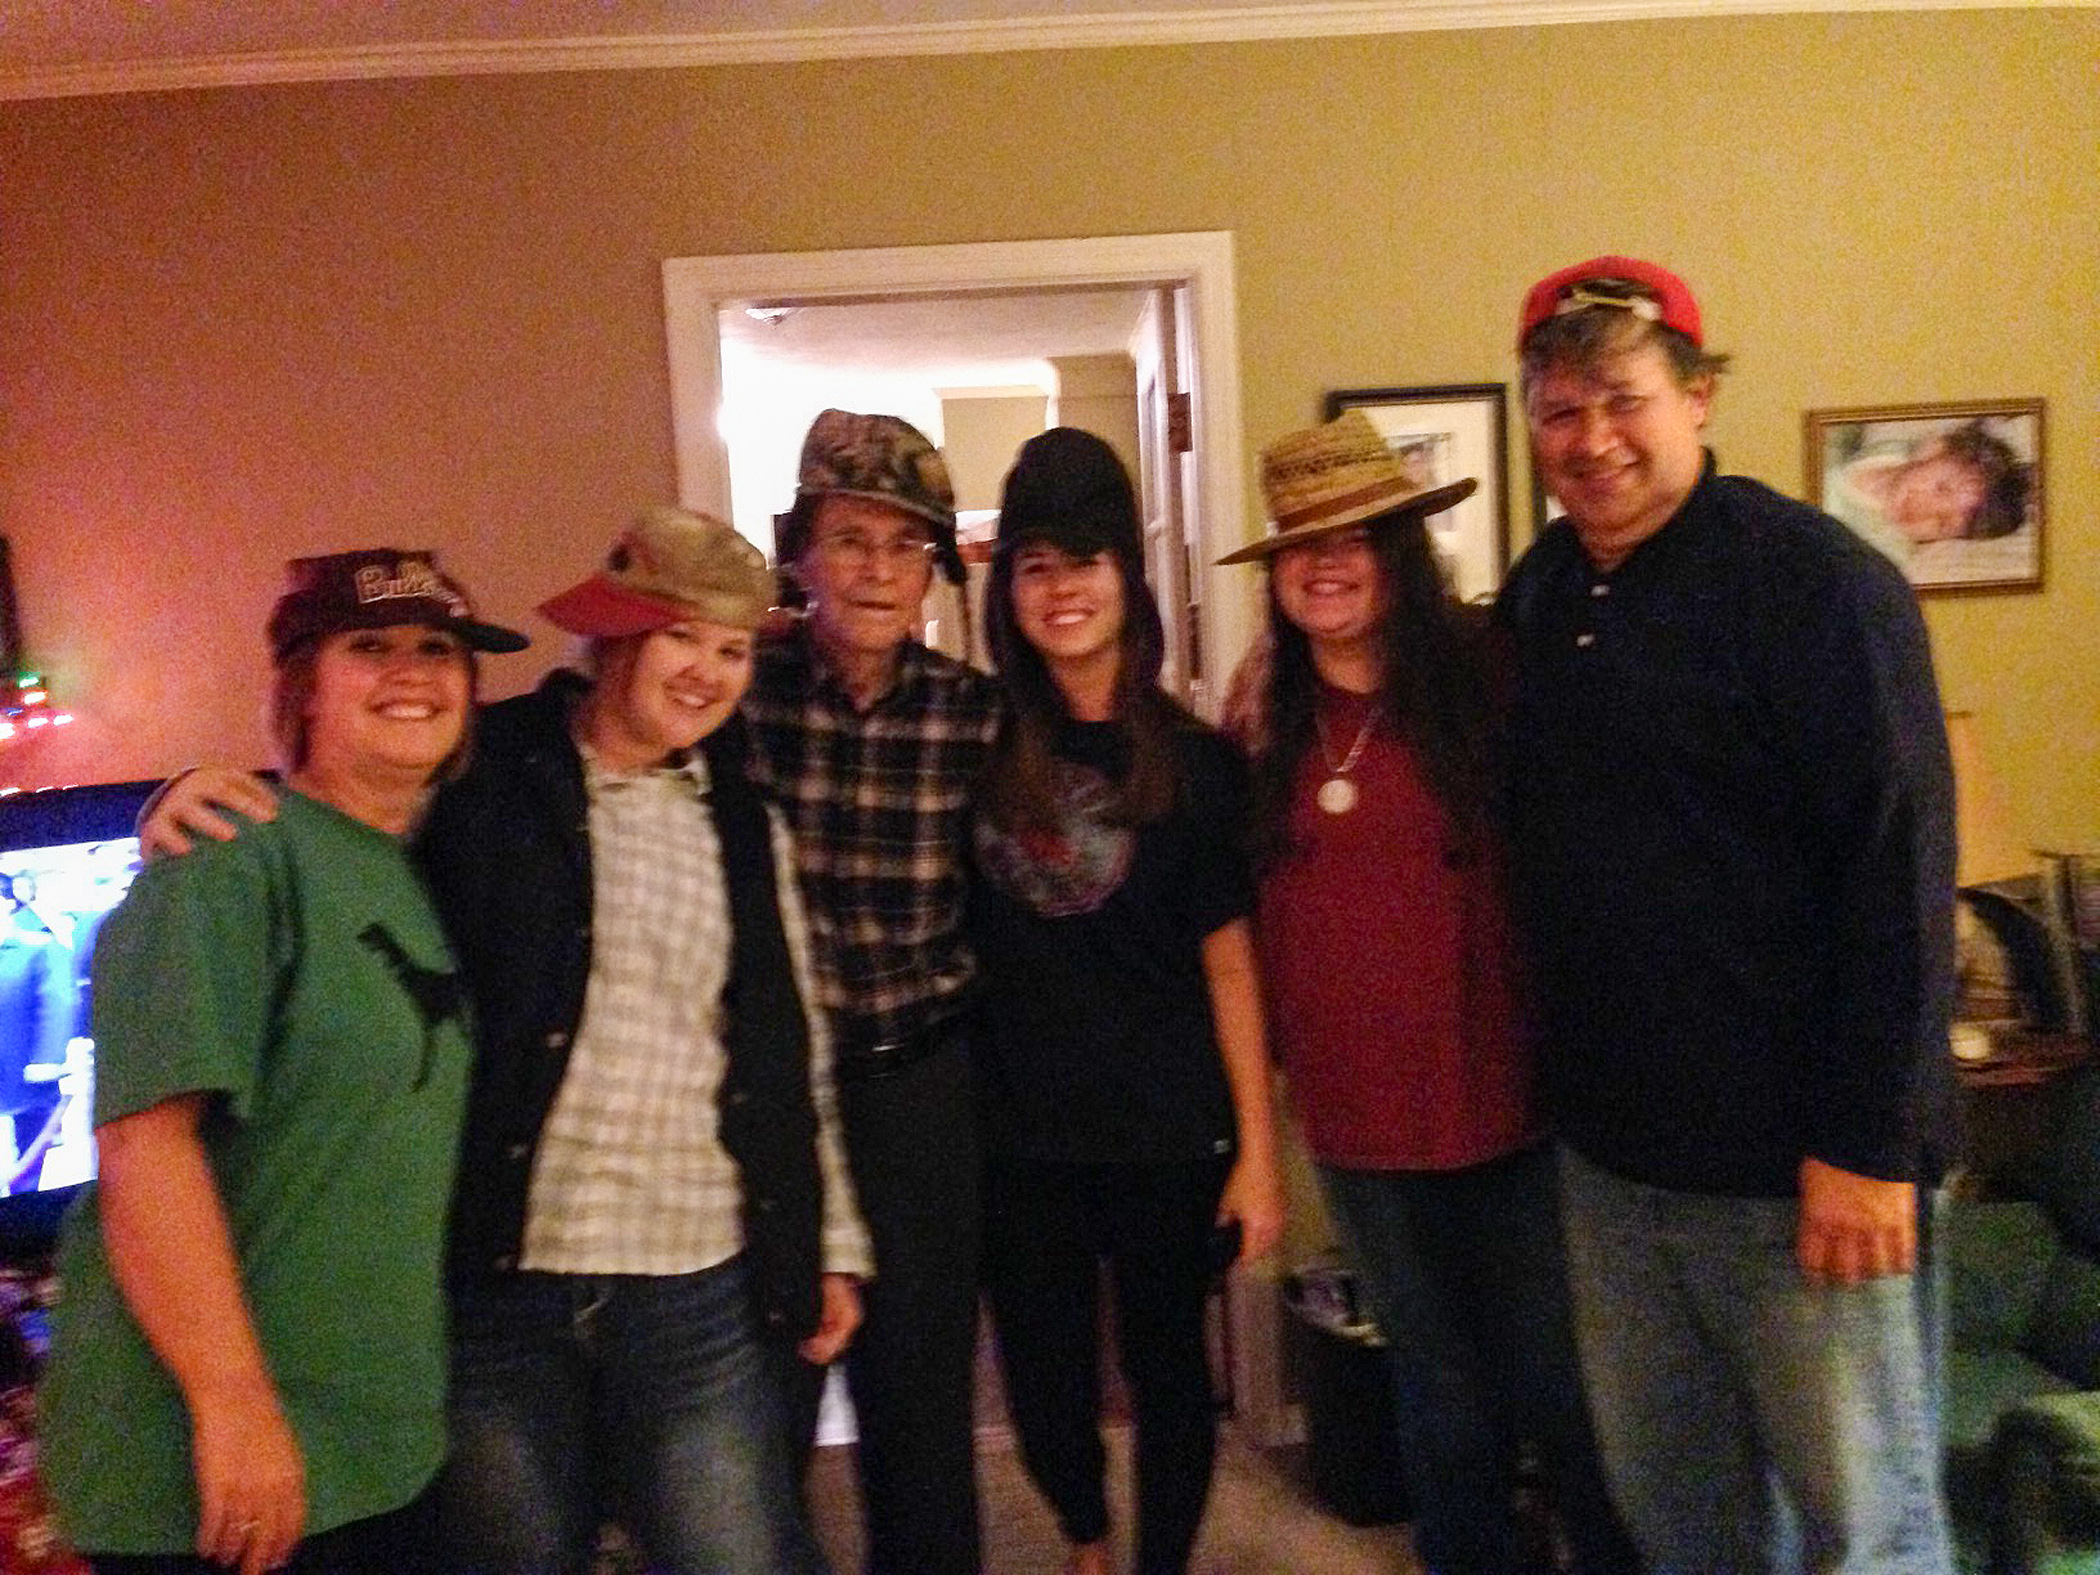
870 743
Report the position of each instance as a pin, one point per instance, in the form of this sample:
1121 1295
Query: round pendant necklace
1337 795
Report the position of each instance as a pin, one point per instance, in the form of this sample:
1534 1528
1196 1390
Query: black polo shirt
1733 822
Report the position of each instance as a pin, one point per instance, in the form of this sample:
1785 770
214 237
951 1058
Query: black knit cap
1068 489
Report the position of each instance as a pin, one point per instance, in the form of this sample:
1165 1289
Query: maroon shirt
1390 972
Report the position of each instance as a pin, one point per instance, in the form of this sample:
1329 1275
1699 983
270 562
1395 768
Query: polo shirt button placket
1586 638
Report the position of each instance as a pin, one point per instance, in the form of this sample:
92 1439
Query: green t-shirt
300 973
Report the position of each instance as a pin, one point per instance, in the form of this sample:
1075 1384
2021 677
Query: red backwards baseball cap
1660 296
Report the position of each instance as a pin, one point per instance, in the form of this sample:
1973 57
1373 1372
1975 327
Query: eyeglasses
854 550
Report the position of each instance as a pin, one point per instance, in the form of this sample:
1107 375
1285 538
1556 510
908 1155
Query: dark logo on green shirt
440 997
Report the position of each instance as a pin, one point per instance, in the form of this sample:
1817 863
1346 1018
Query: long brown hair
1435 689
1020 787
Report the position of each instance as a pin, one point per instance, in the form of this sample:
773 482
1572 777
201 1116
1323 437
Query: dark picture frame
1951 492
1447 432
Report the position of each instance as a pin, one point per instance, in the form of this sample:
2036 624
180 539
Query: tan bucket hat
668 566
1328 478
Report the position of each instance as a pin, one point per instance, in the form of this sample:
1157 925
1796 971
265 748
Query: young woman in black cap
1122 1070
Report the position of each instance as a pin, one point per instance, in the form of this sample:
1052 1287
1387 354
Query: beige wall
1099 394
237 325
980 434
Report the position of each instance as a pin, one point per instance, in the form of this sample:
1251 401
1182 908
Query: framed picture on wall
1951 492
1442 435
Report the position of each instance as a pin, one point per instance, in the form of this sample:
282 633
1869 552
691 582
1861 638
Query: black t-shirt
1097 1044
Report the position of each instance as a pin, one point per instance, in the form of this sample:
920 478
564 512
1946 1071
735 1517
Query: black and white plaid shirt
878 801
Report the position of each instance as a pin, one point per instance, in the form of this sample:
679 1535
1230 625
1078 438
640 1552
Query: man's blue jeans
1752 1421
652 1398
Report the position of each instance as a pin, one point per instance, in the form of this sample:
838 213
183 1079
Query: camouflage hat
887 459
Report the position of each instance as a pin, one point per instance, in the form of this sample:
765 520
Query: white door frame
697 288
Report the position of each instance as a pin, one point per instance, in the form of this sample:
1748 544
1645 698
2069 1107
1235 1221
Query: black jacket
507 853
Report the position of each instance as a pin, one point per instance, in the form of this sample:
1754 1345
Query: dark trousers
1465 1274
396 1543
1048 1226
911 1142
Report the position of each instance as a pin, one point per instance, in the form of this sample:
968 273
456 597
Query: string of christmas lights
25 706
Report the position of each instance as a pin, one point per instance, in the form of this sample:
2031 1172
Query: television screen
67 856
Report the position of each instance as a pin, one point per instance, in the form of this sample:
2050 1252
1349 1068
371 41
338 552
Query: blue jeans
1752 1421
650 1399
1463 1271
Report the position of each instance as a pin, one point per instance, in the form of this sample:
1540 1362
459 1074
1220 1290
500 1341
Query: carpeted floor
1262 1518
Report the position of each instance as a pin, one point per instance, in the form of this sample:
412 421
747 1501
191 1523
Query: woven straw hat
1331 477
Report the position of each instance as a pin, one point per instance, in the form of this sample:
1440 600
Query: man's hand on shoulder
1855 1228
192 804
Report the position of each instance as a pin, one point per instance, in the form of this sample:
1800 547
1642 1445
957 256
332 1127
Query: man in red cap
1733 817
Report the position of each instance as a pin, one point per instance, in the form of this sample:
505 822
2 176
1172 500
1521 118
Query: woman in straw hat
1122 1071
282 1062
653 1207
1387 956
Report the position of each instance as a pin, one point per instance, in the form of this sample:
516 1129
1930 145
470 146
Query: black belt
858 1057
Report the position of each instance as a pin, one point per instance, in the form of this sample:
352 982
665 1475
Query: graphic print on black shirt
1073 867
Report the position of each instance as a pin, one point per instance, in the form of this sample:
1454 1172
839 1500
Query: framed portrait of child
1951 492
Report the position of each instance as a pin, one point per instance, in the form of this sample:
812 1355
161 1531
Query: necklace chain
1355 752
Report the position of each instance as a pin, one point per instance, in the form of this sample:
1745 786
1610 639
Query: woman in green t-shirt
248 1361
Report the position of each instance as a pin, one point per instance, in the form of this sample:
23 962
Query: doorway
1188 462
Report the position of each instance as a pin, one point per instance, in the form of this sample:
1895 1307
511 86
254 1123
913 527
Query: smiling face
1331 589
1618 444
385 700
660 693
866 569
1069 608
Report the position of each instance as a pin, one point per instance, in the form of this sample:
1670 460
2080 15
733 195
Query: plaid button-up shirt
631 1175
878 801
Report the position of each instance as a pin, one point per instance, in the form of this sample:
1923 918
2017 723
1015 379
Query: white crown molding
1314 19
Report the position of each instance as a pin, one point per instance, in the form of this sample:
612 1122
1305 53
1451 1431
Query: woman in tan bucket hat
1387 958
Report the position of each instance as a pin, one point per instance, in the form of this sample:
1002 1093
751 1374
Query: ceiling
52 48
981 340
